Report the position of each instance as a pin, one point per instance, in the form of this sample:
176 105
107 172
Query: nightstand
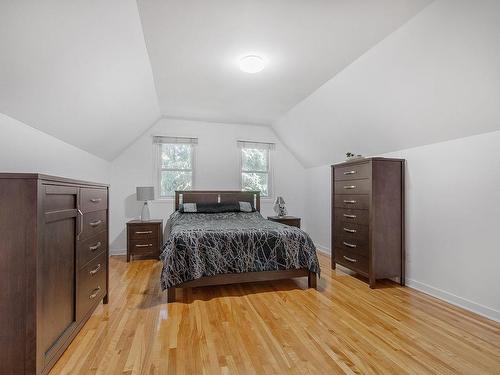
287 220
144 238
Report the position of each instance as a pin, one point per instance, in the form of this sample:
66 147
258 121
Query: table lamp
145 194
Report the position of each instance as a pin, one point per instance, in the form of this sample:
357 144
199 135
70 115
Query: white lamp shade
145 193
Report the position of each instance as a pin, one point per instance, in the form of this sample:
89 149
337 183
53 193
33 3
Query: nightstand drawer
146 246
138 232
353 172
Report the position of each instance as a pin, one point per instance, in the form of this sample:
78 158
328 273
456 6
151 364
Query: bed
231 247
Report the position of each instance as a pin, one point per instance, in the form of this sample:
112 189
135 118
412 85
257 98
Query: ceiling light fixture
252 64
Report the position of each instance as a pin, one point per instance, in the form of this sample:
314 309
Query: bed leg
311 280
170 295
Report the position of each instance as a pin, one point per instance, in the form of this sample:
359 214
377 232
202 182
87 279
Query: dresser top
364 160
46 177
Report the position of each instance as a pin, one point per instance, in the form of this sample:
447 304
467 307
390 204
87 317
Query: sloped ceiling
436 78
77 70
195 45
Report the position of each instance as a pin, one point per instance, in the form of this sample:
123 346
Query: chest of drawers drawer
92 247
92 224
353 187
350 216
352 201
353 172
93 199
91 284
352 260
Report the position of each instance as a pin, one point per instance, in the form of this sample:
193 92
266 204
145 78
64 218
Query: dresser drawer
145 247
92 247
352 201
348 216
353 187
351 231
352 244
91 284
352 260
93 199
92 224
142 231
353 172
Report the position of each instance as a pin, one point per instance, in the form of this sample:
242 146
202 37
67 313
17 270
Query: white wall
216 167
436 78
25 149
452 219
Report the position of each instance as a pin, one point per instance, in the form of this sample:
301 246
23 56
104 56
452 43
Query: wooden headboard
217 196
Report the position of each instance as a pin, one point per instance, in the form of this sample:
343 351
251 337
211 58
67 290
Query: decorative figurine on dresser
368 217
53 268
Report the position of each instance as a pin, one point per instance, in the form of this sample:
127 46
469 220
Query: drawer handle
95 247
96 200
349 172
349 244
350 259
95 292
95 223
350 230
95 270
350 187
350 216
148 245
144 232
350 201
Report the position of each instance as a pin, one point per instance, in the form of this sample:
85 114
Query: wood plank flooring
278 327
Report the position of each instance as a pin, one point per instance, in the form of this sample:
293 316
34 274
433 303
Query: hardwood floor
278 327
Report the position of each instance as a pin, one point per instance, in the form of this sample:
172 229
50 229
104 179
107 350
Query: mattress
233 242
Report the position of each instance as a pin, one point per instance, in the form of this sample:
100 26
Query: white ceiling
194 46
77 70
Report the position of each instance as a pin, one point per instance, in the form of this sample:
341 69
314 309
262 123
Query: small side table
144 238
287 220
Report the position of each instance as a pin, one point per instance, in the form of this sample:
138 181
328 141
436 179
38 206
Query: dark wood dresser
368 217
287 220
144 239
53 266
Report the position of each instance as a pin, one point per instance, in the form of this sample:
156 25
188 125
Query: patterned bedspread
209 244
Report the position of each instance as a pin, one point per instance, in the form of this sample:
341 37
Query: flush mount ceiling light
252 64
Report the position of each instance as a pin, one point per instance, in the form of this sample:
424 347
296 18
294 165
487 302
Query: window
256 167
174 164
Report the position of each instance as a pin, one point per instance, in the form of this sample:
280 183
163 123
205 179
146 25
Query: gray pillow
245 207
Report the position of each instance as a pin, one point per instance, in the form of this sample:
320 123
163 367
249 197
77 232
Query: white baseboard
113 252
455 300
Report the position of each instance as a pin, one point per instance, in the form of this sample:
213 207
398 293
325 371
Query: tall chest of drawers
53 266
368 217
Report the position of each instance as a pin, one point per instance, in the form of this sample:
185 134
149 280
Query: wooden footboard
245 277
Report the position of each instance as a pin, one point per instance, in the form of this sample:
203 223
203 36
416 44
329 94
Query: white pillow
245 207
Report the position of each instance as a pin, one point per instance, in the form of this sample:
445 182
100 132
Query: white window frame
158 141
268 147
